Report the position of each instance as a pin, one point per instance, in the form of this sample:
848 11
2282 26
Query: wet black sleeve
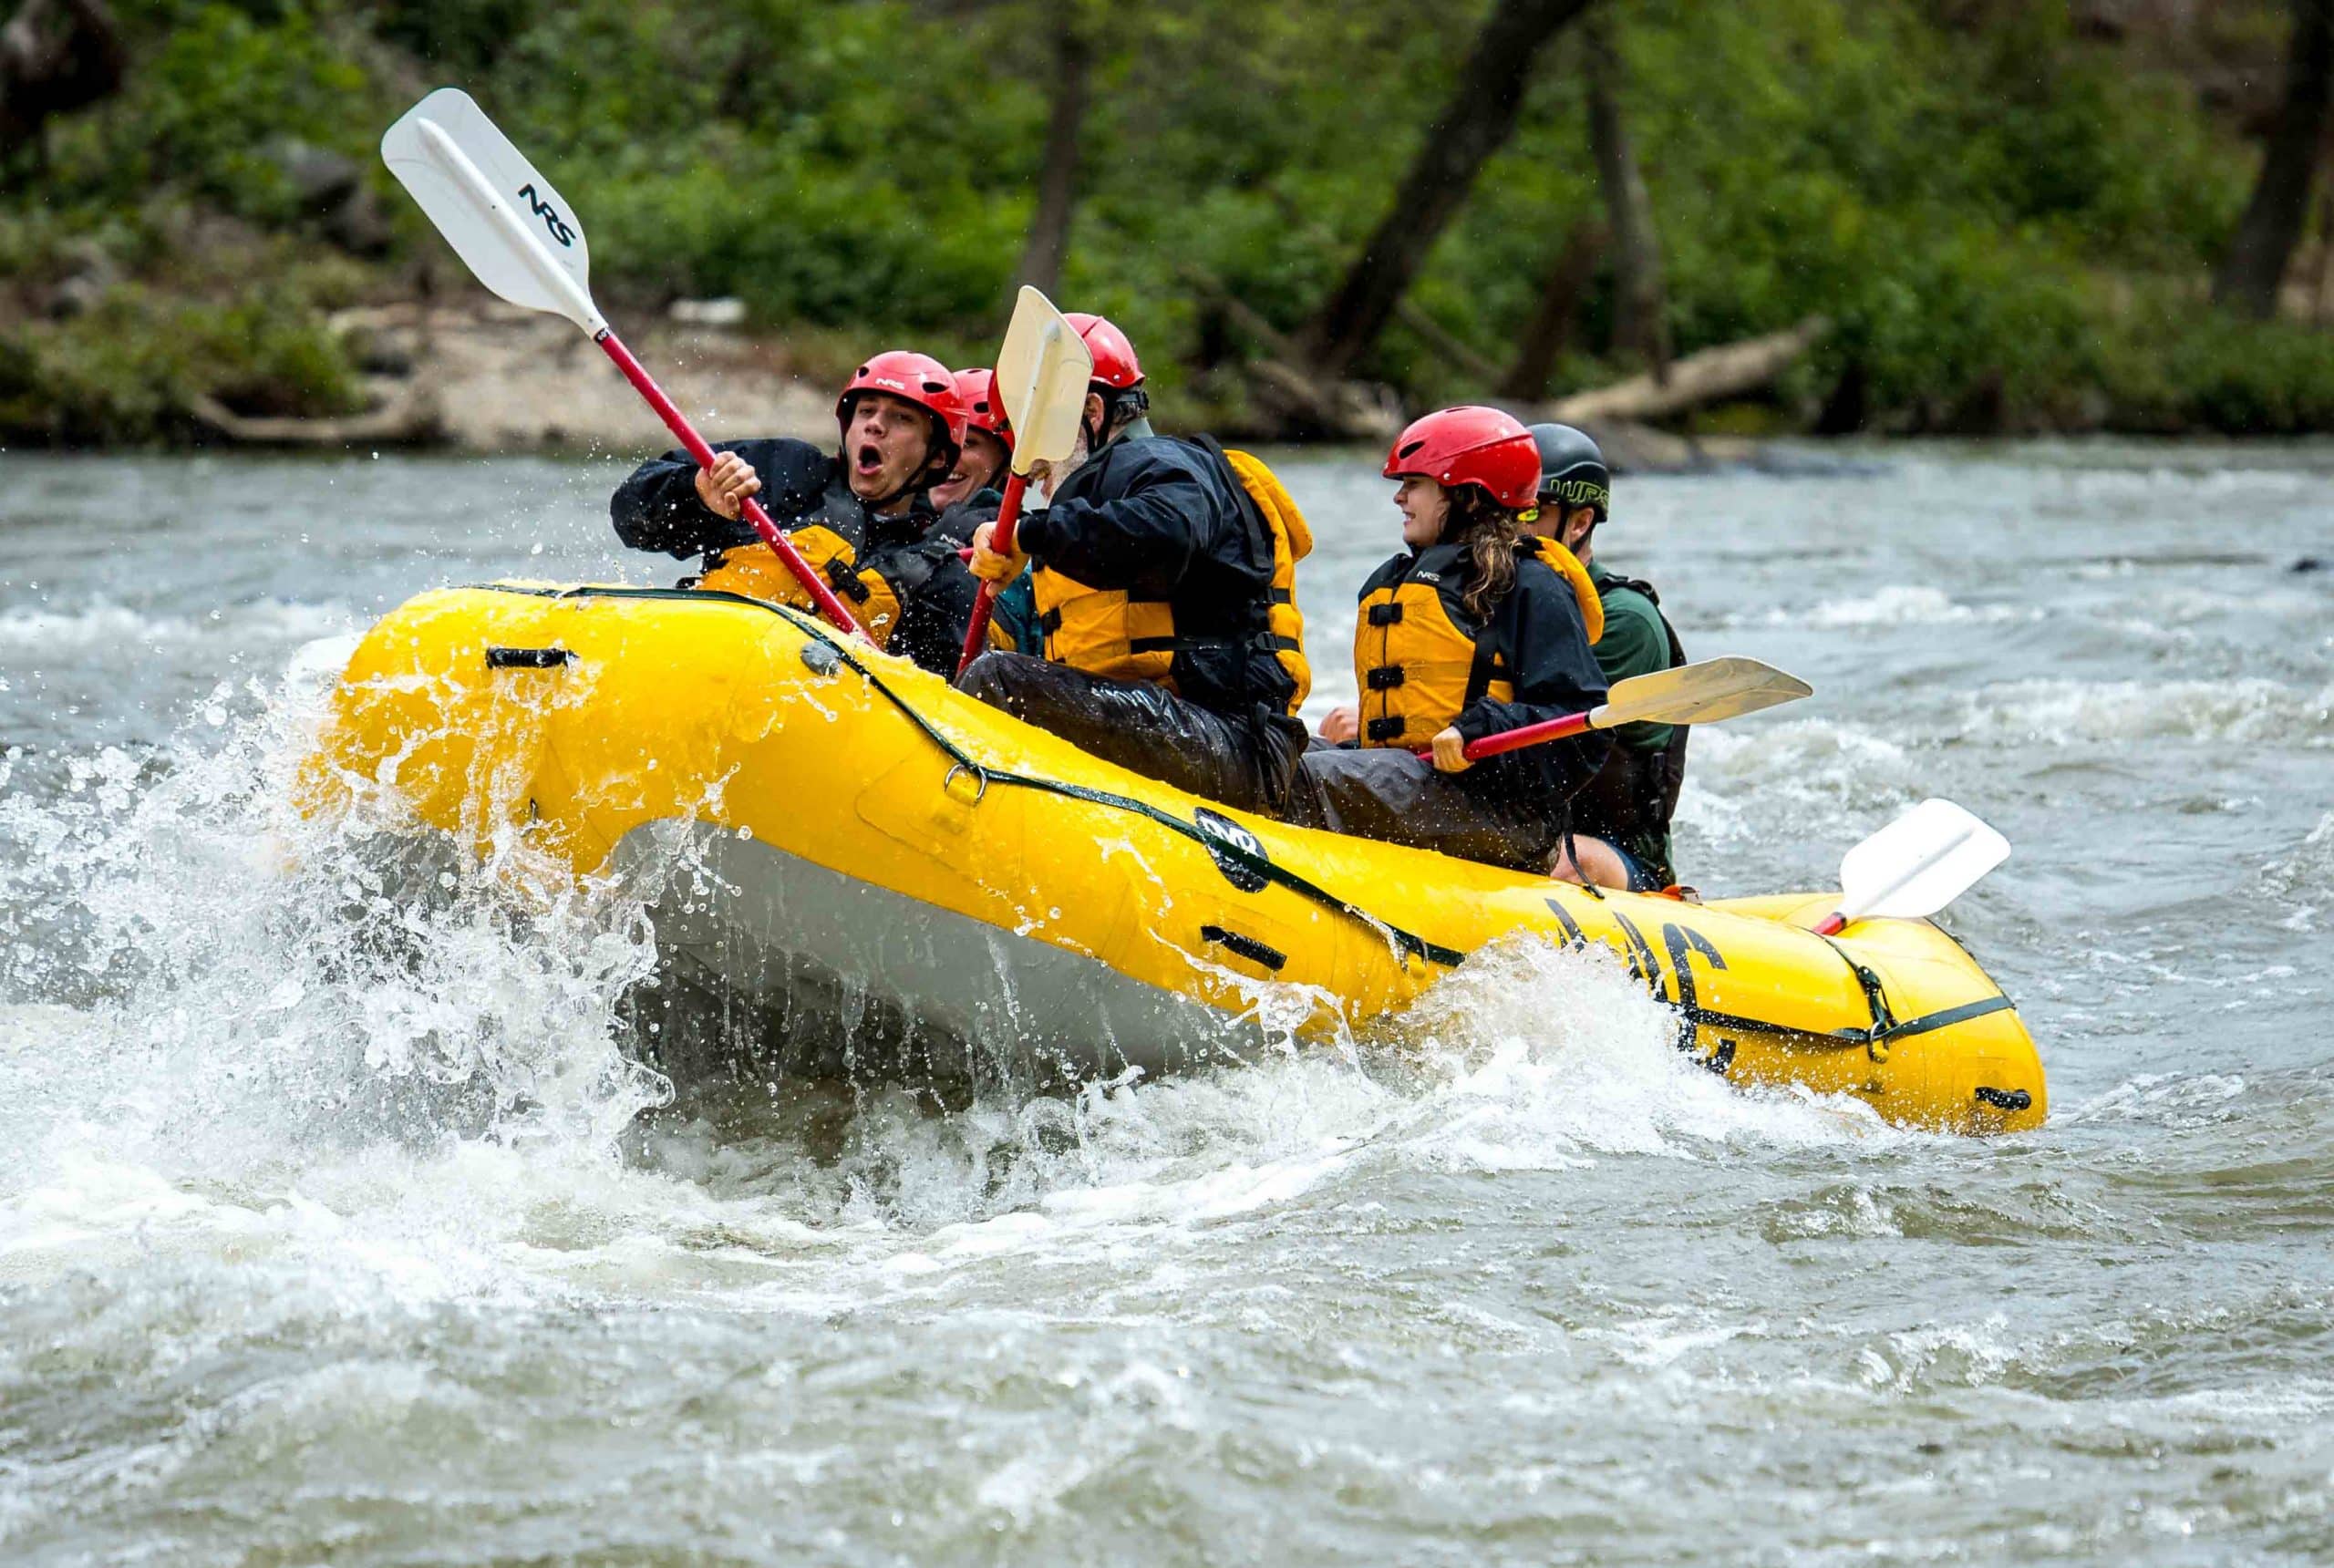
1162 521
657 508
935 591
1557 673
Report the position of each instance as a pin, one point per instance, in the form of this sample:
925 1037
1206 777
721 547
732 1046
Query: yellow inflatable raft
923 877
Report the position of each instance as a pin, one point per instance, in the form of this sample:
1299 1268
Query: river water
309 1255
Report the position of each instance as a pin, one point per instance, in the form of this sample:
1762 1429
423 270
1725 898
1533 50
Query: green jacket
1629 802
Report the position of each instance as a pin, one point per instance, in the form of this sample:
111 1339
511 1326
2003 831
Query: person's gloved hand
988 564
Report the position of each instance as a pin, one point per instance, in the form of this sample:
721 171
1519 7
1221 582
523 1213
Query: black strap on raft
1885 1028
1220 846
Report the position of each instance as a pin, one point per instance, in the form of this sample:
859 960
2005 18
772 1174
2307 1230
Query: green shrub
127 371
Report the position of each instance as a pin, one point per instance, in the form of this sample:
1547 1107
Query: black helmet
1571 470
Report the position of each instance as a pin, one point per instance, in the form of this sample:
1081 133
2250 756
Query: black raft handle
1247 947
527 659
2005 1098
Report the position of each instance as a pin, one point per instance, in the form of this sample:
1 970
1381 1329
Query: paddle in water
1915 866
1690 693
1042 373
525 243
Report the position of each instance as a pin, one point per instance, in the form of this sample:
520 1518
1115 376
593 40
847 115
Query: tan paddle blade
1918 864
1042 372
1703 693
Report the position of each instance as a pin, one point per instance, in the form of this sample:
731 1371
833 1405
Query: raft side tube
885 837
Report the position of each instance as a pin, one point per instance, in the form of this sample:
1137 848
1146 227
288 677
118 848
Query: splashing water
242 982
337 1223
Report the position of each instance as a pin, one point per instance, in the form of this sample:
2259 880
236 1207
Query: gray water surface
331 1229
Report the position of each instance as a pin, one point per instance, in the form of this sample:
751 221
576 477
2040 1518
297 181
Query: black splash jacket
657 508
1158 519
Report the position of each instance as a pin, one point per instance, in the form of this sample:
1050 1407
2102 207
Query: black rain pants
1244 763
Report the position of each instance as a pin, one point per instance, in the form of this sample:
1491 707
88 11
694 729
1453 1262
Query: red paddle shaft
677 422
1009 513
1832 925
1524 736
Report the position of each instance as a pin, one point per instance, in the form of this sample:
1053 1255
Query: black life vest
1632 797
1420 656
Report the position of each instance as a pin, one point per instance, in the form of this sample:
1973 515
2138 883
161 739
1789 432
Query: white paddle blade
1918 864
503 217
1700 694
1042 372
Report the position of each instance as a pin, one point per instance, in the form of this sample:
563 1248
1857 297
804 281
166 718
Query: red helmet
1115 365
922 380
984 409
1471 446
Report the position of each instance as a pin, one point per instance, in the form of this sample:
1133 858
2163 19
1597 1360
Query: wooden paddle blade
1701 693
1918 864
501 215
1042 372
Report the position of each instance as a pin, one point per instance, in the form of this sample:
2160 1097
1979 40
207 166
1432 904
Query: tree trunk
1475 123
1713 374
1549 332
1641 322
2255 265
54 55
1049 242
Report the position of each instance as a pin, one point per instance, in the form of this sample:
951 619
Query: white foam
1895 604
2055 712
103 624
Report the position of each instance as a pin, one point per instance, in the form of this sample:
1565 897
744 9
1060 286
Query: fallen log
1713 374
409 418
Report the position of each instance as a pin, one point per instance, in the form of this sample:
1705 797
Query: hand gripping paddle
1690 693
526 244
1042 372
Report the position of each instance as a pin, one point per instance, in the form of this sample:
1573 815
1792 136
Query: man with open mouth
862 515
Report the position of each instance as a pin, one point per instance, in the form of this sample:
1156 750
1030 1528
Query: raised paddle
1915 866
525 243
1690 693
1042 373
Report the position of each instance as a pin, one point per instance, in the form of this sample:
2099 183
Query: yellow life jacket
1419 656
831 536
1108 632
755 570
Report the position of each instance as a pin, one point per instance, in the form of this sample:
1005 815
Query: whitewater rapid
336 1225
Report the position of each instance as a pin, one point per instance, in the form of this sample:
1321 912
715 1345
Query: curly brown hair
1490 532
